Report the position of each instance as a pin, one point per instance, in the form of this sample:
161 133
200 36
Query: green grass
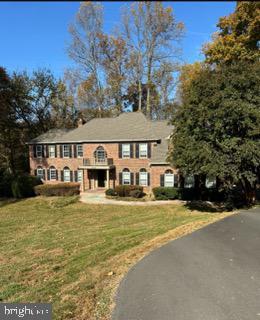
59 250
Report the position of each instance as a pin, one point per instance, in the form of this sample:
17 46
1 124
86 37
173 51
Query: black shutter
48 174
132 178
35 172
162 180
70 147
44 175
55 151
120 178
57 178
148 178
61 175
137 178
120 150
176 181
131 150
137 150
34 151
43 150
76 175
71 175
61 152
149 150
47 150
75 150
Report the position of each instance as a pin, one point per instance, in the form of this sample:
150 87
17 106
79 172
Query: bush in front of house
58 189
6 179
23 186
166 193
124 190
111 192
136 194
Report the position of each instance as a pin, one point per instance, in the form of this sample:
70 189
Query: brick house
105 152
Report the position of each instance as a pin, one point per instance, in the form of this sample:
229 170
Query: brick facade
112 151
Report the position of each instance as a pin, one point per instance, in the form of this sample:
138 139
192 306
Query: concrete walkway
211 274
99 197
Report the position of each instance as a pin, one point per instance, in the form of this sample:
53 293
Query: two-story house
105 152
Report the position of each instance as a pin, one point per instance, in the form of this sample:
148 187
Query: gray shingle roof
131 126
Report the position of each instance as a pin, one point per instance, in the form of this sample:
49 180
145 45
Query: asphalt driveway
211 274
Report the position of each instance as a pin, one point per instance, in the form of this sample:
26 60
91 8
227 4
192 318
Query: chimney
80 122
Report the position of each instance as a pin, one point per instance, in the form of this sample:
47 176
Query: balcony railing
97 162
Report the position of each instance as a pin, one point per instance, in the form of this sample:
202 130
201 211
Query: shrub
166 193
188 194
23 186
58 189
124 190
111 192
6 184
136 193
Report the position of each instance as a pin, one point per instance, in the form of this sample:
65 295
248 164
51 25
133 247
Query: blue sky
35 34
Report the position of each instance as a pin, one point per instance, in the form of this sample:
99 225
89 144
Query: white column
107 179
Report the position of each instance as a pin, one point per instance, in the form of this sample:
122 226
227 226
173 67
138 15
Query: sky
35 34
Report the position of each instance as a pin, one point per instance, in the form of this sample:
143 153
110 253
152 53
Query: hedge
58 189
23 186
166 193
124 190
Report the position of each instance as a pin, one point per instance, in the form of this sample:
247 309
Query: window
38 151
126 150
126 177
189 181
51 150
168 178
80 175
66 174
210 182
143 181
40 173
143 150
53 173
66 151
79 150
100 155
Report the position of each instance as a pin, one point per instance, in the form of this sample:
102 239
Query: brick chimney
80 122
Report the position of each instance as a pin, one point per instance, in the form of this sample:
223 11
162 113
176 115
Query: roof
128 126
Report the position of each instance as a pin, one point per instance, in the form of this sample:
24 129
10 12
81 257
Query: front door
101 178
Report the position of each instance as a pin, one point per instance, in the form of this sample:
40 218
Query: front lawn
73 255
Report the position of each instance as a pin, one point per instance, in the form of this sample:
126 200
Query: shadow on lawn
205 206
6 201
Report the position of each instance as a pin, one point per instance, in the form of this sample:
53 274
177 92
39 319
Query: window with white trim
53 173
189 181
66 151
51 150
66 174
38 151
126 150
80 175
79 150
211 182
143 150
143 178
126 177
40 172
169 178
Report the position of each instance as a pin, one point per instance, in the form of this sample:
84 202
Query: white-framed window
79 150
211 182
66 174
80 175
53 173
39 151
143 178
40 172
126 177
51 150
66 151
143 150
126 150
100 155
189 181
169 178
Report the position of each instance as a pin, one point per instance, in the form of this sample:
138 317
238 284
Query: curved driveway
211 274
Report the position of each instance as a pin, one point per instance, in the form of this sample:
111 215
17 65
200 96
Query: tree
216 129
238 38
152 35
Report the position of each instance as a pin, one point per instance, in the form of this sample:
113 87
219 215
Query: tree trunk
139 95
